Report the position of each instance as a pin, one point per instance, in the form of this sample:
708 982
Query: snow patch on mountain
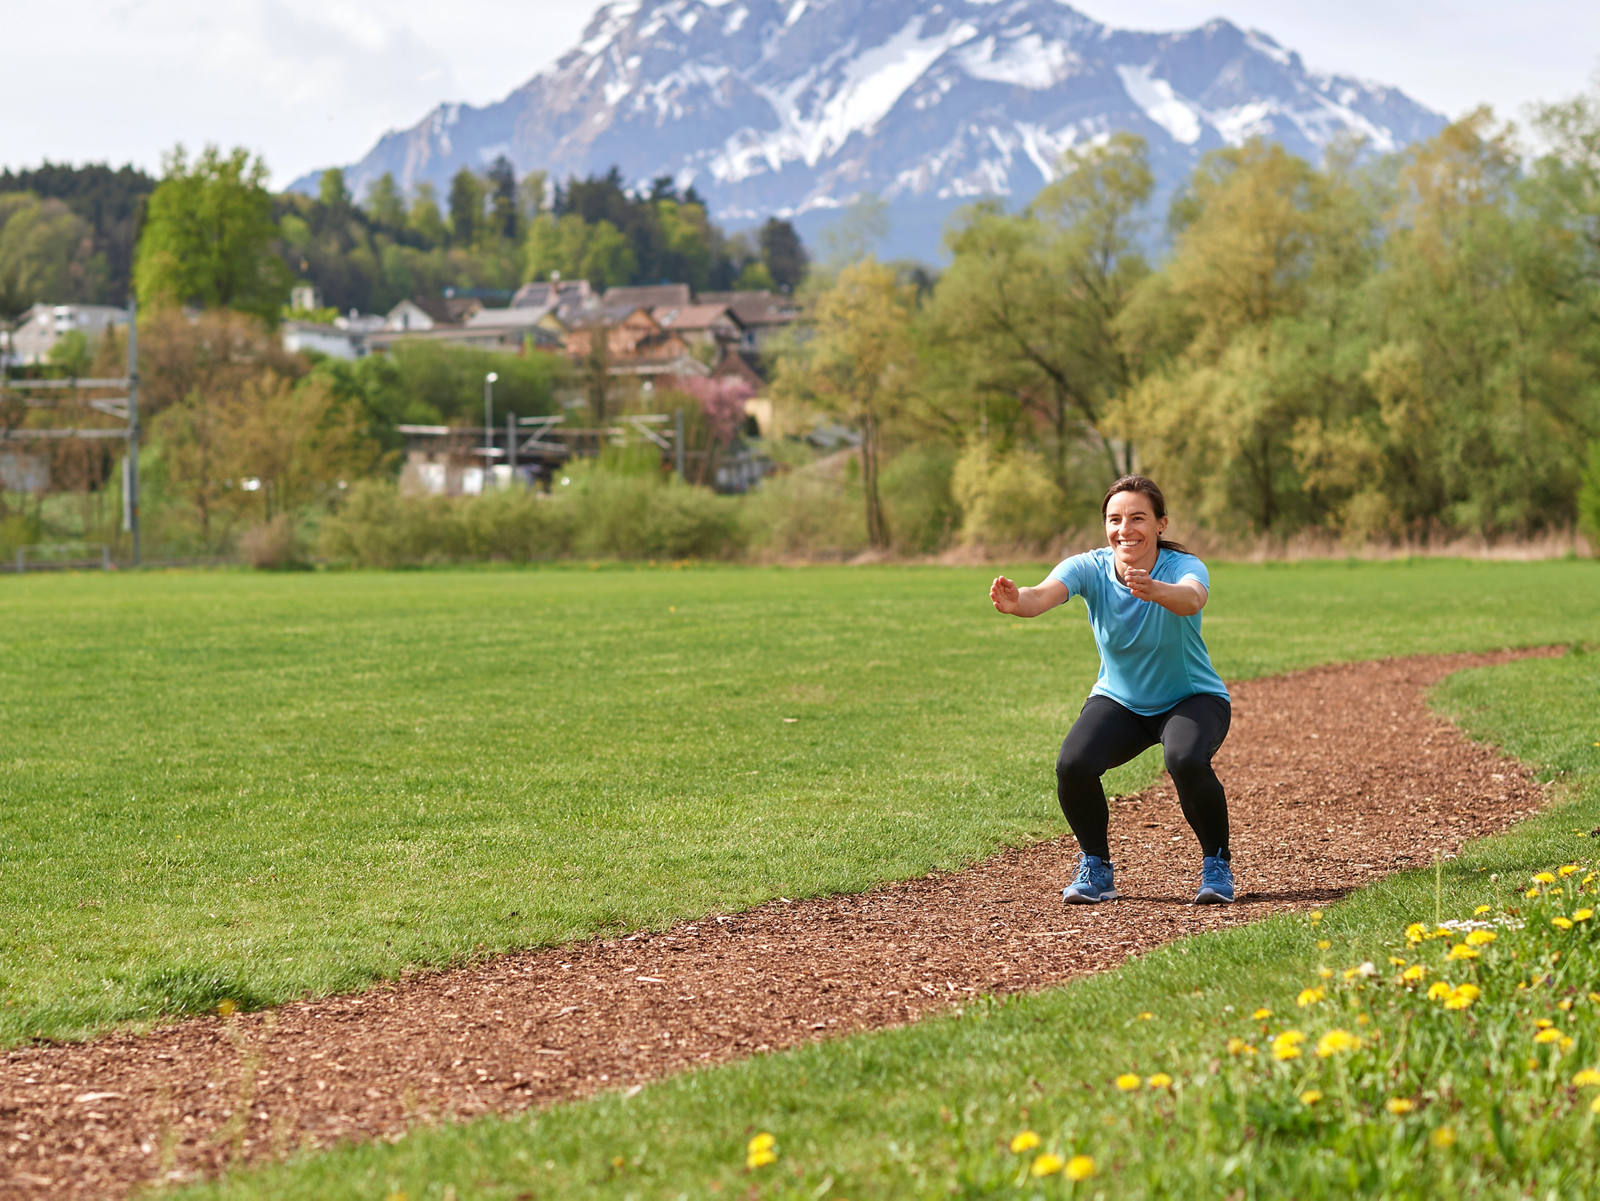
1160 103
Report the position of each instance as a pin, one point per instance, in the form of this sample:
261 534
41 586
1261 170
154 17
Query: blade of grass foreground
249 787
933 1109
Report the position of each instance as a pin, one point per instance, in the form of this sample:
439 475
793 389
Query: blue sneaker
1092 883
1216 882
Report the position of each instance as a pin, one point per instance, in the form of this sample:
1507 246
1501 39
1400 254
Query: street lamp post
488 426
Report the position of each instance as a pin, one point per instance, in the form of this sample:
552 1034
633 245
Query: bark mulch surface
1335 776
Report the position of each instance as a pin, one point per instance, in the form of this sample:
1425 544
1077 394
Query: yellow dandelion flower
760 1159
1396 961
1544 1023
1561 923
1323 944
1582 915
1362 1019
1567 870
1127 1082
1588 1078
1413 973
1079 1167
1047 1165
1462 951
1595 997
1146 1016
1160 1080
1443 1138
1309 996
1566 1043
1564 1004
1316 916
1336 1042
1261 1014
1531 893
1310 1097
1236 1046
1415 932
1457 1000
1478 912
1285 1051
1399 1105
1025 1141
1543 878
1292 1036
1547 1036
1442 932
1438 990
1469 990
1325 973
1480 938
226 1008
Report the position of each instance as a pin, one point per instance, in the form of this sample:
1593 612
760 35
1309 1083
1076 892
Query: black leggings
1107 734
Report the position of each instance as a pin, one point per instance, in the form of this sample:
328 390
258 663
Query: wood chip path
1335 777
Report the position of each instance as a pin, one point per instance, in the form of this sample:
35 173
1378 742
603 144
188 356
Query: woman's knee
1075 765
1191 763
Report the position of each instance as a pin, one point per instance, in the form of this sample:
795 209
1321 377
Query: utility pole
488 427
131 480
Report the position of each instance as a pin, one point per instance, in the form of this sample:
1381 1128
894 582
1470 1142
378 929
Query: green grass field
249 787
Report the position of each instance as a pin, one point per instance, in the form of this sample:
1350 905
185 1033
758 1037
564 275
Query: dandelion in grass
1443 1138
1361 971
1544 1023
1439 990
1399 1105
1582 915
1478 912
1561 923
1543 878
1128 1081
1146 1016
1336 1042
1310 1097
1413 974
1325 973
1079 1167
1323 944
761 1151
1396 961
1564 1004
1264 1013
1316 916
1415 933
1287 1045
1480 938
1160 1080
1587 1078
1532 892
1309 997
1025 1141
226 1008
1547 1035
1460 1000
1568 869
1238 1046
1462 951
1047 1164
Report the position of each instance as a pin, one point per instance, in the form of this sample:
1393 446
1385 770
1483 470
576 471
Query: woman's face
1132 529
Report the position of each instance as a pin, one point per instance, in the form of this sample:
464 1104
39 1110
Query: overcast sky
314 83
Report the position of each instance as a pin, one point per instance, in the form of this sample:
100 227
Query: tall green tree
47 255
858 363
466 207
384 204
208 237
782 253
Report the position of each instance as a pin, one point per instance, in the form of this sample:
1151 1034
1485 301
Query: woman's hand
1004 594
1139 583
1185 598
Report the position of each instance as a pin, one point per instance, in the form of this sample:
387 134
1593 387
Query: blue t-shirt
1150 658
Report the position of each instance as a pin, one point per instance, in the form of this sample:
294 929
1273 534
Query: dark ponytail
1147 486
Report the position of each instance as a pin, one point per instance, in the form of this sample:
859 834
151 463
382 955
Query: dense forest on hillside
68 235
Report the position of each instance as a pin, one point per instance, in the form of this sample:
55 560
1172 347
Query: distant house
566 298
429 312
636 345
540 327
648 296
327 340
44 325
702 324
762 314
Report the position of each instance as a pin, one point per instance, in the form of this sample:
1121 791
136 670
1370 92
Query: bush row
933 498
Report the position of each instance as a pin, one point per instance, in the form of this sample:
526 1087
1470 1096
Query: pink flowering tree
721 412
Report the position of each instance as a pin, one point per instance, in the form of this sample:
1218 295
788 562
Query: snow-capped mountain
794 107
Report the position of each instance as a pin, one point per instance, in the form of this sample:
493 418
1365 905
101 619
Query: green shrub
1007 499
684 522
609 512
381 527
922 512
809 512
1589 499
517 525
272 545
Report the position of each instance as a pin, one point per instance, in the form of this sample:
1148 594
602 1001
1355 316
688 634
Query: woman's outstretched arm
1027 602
